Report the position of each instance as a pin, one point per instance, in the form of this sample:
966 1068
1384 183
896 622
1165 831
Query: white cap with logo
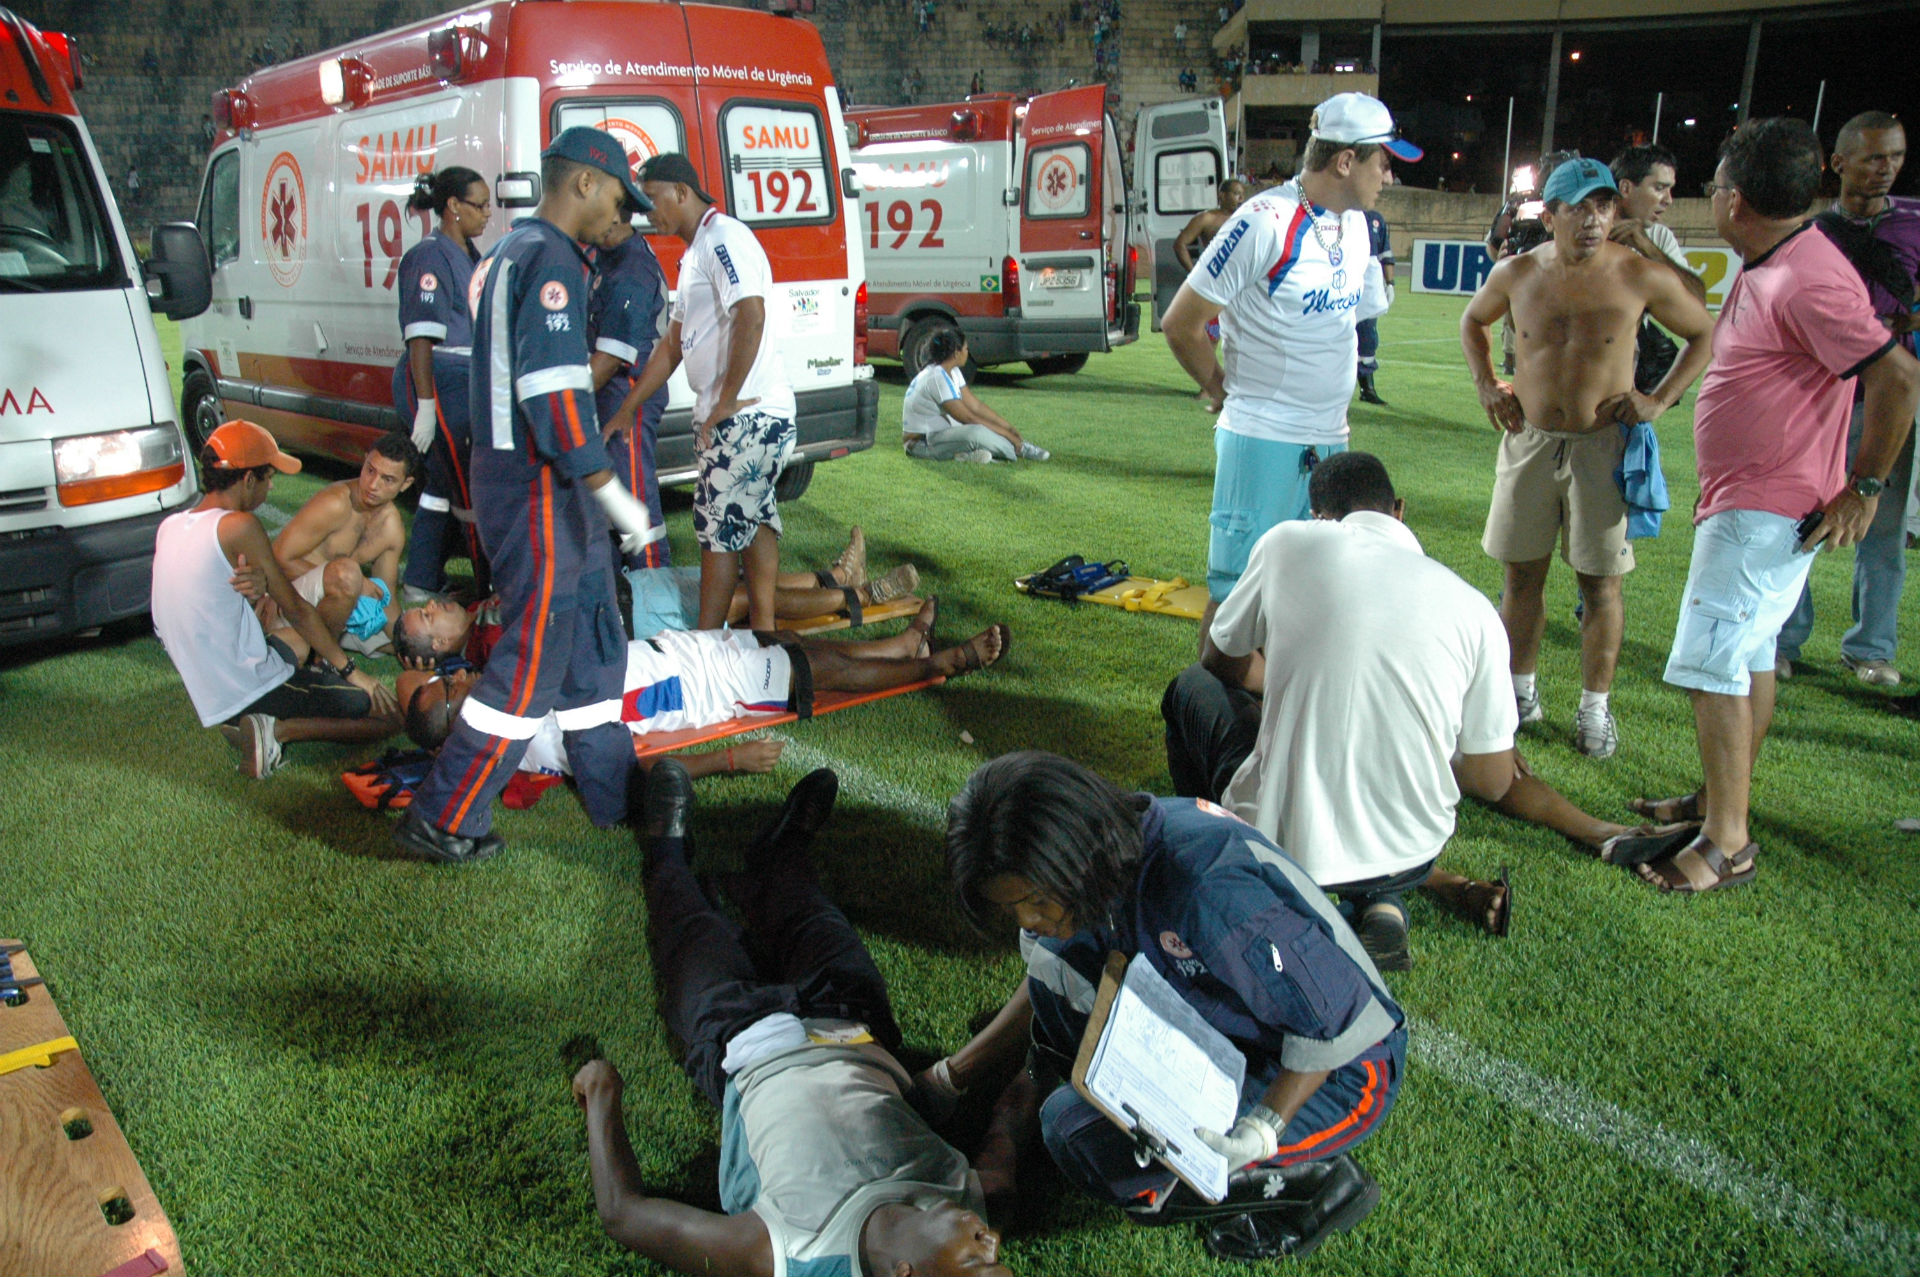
1354 119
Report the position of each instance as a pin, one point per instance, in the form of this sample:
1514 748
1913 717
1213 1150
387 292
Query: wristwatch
1865 485
343 671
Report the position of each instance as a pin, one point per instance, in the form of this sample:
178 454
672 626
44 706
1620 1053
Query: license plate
1060 279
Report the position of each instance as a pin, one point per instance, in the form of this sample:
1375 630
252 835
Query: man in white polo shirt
1383 697
743 408
1283 275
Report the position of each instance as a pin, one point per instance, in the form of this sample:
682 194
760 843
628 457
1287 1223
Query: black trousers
1211 728
797 953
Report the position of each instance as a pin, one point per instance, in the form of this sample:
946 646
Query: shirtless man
1576 305
1199 232
342 550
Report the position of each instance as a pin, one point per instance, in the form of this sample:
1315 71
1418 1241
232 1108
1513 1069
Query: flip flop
1685 807
1714 869
1647 843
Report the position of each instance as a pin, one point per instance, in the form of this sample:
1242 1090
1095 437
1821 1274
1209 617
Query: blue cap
1576 179
598 149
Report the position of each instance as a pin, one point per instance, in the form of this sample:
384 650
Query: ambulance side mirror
178 277
517 190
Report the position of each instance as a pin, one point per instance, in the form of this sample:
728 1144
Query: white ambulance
1009 219
91 453
304 200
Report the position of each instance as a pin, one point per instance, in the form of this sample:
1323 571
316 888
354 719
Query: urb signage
1461 266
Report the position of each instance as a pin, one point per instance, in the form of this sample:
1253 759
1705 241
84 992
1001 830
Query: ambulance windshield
53 230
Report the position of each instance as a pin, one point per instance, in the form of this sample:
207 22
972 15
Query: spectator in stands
1180 31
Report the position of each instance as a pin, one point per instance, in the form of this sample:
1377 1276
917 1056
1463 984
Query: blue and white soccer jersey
562 649
624 320
1288 275
433 281
921 412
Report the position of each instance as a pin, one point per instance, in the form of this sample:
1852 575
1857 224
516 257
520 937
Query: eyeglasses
1707 189
483 207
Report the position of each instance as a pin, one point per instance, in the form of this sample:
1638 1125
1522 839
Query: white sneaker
1033 452
1529 707
253 739
1594 733
982 455
1782 667
1872 673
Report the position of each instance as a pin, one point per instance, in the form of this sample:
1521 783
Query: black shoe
1346 1196
668 801
1382 928
425 840
1368 395
807 808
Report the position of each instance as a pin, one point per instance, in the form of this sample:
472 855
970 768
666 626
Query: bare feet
978 652
921 627
757 756
1487 905
850 569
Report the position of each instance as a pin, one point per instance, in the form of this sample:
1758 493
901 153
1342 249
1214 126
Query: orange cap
241 445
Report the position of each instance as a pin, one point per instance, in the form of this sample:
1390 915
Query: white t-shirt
722 265
1291 293
932 386
211 633
1667 242
1381 665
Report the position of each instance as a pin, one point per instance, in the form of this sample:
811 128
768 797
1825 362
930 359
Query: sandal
1477 909
1646 843
1668 811
970 658
1710 868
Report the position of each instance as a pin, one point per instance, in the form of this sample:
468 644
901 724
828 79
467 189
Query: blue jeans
1879 571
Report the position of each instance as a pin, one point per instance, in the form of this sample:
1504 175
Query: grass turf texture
326 1057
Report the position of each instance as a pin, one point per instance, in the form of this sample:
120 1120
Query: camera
1522 218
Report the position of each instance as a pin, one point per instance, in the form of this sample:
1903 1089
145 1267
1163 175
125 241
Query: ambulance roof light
448 50
232 110
333 83
69 48
964 126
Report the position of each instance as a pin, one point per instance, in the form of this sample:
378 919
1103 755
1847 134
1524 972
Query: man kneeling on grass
826 1165
208 564
684 679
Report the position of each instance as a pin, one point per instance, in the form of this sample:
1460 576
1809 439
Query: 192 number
900 221
779 186
384 226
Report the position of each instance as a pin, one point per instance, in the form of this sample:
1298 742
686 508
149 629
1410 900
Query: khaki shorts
1545 483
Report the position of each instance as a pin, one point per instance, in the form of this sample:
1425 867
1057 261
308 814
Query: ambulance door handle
1086 234
246 308
849 184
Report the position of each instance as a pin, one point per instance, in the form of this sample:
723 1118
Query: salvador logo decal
553 295
283 220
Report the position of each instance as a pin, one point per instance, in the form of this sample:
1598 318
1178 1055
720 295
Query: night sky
1607 95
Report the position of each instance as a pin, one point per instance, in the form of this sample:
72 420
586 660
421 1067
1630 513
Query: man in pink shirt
1770 432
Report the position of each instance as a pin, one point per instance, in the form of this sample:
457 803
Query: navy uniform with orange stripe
562 649
1244 935
434 278
629 294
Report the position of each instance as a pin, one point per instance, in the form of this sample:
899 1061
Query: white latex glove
628 516
937 1094
426 420
1254 1138
1389 294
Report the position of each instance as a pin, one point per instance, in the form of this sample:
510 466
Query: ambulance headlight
118 463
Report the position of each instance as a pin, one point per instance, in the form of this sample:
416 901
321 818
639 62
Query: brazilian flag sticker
989 283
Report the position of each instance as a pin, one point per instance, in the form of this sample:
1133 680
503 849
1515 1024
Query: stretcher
72 1199
1172 597
648 744
906 605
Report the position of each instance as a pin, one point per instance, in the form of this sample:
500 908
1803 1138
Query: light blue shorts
1742 585
1256 484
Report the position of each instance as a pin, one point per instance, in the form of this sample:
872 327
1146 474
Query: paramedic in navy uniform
1242 934
623 323
1284 276
537 455
430 381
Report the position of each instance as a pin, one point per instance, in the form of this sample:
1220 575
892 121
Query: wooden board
906 605
53 1187
1173 597
647 744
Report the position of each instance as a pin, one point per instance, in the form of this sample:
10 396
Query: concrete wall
1416 214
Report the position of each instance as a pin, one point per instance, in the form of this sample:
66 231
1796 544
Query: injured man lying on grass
827 1164
685 679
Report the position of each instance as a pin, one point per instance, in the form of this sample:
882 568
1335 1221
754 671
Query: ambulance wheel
793 481
1054 364
200 410
916 346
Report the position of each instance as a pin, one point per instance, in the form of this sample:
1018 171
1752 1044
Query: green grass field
331 1060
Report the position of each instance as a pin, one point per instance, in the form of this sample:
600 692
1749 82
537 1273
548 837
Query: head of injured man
436 628
431 703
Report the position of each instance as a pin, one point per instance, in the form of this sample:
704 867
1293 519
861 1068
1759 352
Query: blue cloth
433 282
1257 483
1641 483
1244 935
623 320
369 615
434 279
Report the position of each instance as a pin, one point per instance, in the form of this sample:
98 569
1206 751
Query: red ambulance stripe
1347 1129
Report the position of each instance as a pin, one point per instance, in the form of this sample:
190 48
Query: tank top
210 632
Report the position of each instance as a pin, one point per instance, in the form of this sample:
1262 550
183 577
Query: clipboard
1166 1146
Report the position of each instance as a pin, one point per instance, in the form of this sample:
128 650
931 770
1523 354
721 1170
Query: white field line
273 516
1864 1242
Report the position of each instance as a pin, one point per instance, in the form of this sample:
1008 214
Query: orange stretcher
72 1199
648 744
906 605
